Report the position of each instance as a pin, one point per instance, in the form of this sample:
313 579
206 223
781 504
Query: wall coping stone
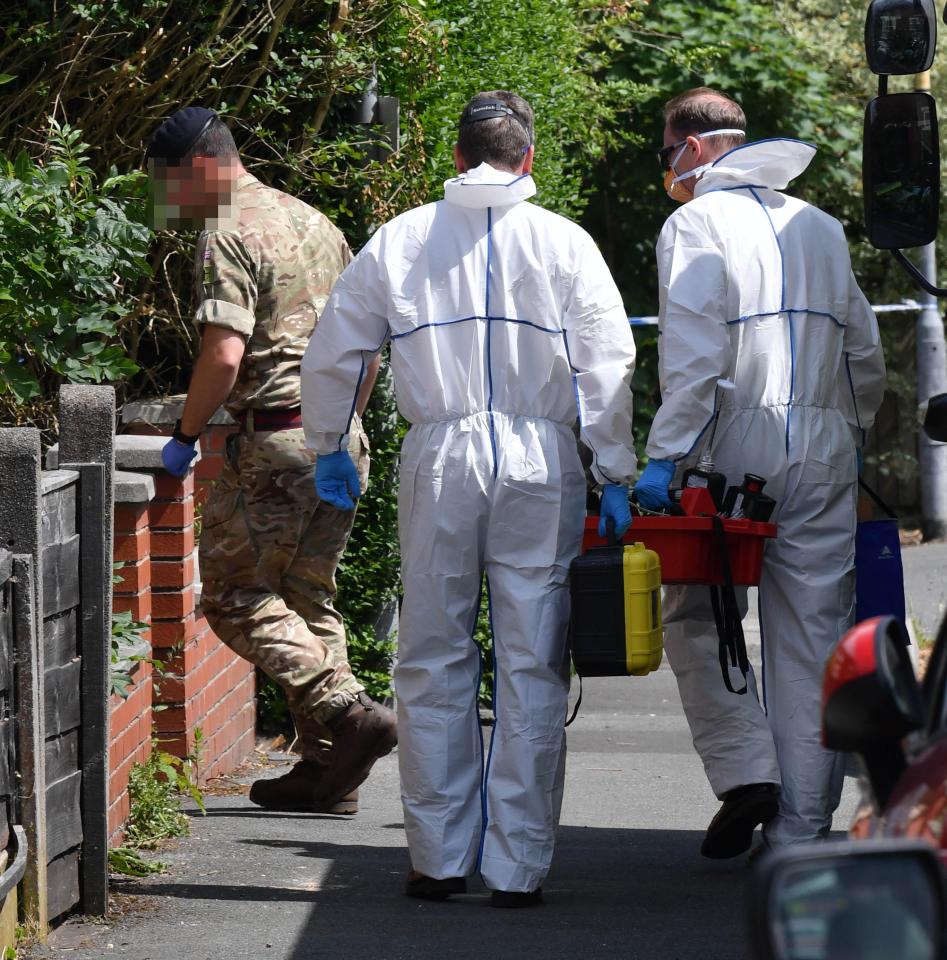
57 479
164 411
134 452
134 487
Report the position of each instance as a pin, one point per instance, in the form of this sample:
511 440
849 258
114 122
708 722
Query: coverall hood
485 187
764 163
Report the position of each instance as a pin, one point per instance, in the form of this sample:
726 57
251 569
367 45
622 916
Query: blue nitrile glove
337 479
177 456
614 507
651 490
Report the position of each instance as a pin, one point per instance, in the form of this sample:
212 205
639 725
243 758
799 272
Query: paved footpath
627 880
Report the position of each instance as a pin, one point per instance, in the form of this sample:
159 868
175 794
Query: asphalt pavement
627 880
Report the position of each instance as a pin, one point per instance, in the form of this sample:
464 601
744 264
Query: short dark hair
499 141
215 141
703 109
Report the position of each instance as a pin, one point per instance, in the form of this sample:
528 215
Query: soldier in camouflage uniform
269 546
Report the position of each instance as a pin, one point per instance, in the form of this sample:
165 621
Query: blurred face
193 195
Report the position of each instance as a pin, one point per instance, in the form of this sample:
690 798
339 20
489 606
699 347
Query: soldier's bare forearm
215 373
365 390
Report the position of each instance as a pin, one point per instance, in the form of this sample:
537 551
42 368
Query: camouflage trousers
269 549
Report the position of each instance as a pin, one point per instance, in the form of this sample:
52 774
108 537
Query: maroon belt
287 418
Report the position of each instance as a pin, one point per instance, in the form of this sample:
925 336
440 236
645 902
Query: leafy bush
69 247
368 576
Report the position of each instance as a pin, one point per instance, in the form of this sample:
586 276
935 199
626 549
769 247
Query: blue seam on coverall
782 309
776 313
358 385
447 323
703 430
486 310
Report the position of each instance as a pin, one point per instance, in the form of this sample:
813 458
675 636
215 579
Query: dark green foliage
130 863
552 52
788 86
154 789
368 577
743 49
70 245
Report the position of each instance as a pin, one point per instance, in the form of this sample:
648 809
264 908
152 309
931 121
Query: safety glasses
665 154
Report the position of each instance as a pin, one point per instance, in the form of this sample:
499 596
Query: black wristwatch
185 438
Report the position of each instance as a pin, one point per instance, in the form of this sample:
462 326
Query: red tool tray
688 549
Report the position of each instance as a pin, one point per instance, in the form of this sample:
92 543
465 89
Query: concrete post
20 533
87 435
931 380
87 444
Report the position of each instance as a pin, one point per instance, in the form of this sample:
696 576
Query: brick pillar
175 623
157 418
131 716
203 685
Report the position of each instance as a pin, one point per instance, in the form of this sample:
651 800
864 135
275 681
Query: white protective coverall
757 287
502 317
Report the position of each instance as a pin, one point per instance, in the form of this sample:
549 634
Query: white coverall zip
757 287
502 317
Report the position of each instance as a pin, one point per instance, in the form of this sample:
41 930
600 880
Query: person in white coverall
756 287
504 325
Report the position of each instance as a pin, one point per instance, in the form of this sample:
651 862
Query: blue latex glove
614 507
651 490
177 456
337 479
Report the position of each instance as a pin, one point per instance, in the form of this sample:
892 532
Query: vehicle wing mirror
871 700
870 694
901 166
848 901
933 415
900 36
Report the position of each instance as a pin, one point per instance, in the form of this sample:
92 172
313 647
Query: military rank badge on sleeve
210 274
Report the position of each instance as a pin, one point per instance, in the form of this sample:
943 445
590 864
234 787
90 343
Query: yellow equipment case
616 611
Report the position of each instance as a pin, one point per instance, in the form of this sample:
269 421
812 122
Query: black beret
172 140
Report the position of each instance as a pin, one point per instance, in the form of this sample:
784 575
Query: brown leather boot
360 735
298 792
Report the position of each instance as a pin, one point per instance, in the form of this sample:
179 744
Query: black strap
578 704
723 600
877 499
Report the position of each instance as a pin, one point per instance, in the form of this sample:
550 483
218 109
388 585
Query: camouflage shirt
267 275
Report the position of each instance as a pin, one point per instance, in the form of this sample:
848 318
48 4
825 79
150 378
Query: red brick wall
201 684
213 441
131 718
204 685
211 464
130 731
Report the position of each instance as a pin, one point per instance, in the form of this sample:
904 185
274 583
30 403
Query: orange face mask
676 189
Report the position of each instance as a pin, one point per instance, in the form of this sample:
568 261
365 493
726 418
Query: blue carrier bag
879 576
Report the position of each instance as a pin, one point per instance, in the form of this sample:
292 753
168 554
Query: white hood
485 187
764 163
